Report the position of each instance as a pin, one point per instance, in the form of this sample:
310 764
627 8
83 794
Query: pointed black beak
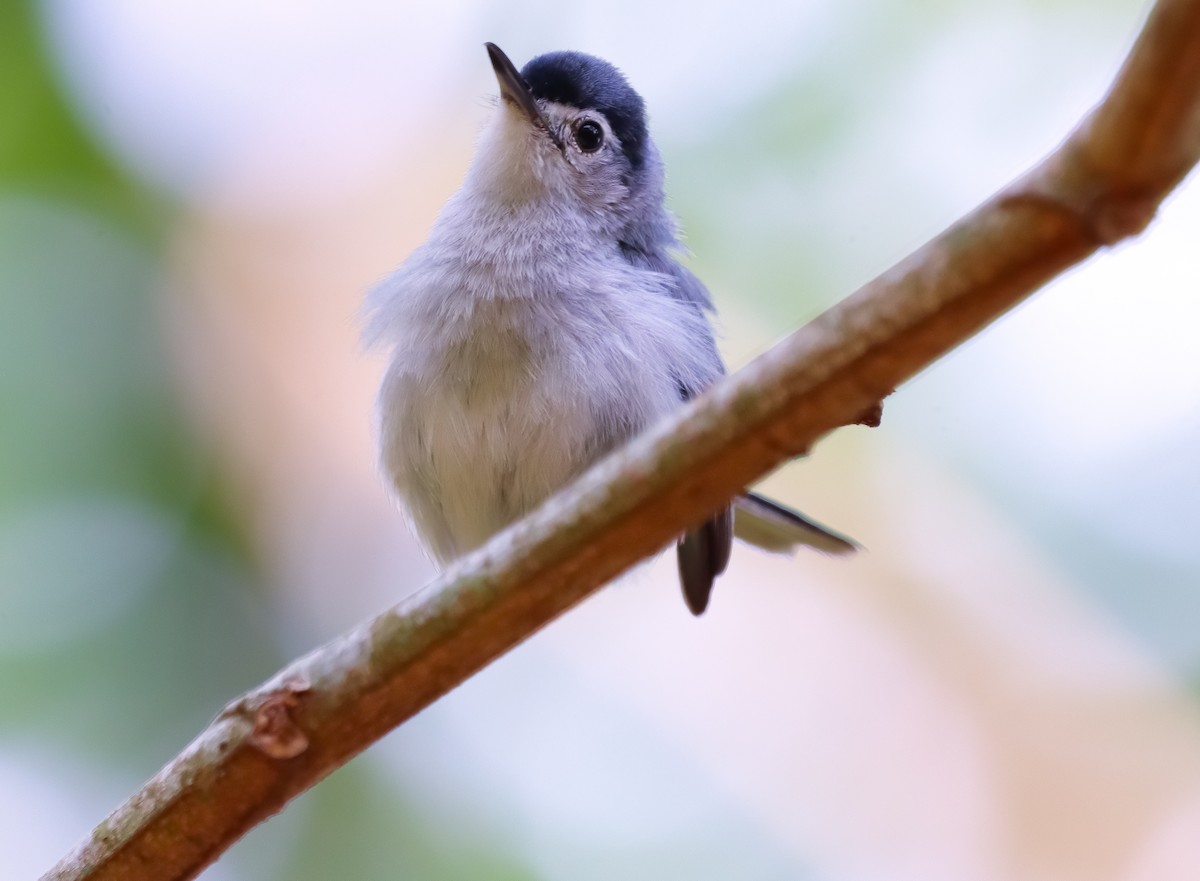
513 87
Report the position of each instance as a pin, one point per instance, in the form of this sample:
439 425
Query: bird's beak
513 87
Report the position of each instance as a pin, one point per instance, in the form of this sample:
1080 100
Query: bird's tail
772 527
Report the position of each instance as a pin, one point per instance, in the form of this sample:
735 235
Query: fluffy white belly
492 421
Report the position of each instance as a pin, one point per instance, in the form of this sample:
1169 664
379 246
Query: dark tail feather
703 555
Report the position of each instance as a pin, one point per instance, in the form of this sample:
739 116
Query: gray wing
690 290
702 553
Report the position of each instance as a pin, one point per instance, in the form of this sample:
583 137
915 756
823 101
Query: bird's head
570 136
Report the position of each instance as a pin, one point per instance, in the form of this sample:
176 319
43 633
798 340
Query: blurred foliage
43 146
39 138
111 527
1150 587
380 836
130 607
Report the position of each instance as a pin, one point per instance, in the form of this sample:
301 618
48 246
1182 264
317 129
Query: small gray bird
546 321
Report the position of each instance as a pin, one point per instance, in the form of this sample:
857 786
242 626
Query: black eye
589 136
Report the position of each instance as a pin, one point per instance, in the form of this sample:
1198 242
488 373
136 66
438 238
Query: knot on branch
1120 216
275 733
1102 220
871 417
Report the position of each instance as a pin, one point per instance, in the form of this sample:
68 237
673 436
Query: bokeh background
194 196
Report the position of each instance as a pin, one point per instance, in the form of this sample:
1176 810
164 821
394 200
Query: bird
546 320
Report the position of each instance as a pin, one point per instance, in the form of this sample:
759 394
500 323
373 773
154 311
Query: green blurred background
193 197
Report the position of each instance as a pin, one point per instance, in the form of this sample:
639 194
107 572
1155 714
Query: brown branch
1104 183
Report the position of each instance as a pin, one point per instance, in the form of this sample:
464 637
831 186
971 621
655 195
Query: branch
1103 184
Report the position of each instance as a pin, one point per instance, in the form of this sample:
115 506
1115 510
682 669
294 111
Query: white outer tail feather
772 527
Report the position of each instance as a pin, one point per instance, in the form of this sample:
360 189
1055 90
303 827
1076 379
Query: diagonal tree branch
1103 184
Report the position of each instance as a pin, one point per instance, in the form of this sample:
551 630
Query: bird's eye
589 136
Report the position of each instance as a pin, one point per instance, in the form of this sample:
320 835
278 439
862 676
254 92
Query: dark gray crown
591 83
